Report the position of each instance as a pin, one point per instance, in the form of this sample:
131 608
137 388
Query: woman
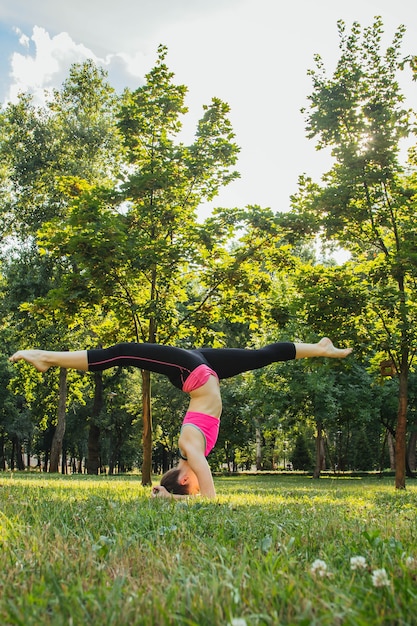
196 372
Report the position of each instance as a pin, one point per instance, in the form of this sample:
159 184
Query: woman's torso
207 398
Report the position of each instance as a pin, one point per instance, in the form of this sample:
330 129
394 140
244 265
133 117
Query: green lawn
271 550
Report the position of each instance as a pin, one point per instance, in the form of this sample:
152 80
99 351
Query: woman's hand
160 492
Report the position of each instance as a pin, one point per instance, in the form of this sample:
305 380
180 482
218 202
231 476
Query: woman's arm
199 465
192 444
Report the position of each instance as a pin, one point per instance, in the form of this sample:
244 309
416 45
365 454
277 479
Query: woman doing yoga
197 372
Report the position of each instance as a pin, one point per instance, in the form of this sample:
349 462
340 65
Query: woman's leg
44 359
228 362
175 363
324 347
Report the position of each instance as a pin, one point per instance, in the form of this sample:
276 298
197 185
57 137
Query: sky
252 54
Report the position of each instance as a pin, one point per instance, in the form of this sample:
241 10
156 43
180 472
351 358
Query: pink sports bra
198 378
207 425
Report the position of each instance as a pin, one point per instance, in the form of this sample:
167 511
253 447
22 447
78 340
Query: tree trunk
2 454
93 445
56 446
64 463
391 450
258 447
147 429
401 429
320 453
166 463
28 453
272 448
19 457
411 451
93 459
17 453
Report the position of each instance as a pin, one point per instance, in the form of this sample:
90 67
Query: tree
367 202
41 149
129 248
12 422
164 184
56 447
73 135
301 456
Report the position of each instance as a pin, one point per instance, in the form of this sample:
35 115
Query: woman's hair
170 481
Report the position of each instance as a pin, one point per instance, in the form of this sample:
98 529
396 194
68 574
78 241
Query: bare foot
37 358
330 351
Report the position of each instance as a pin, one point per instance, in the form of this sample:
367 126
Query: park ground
270 550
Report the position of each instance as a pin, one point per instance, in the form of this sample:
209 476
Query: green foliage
301 456
367 200
359 112
332 301
74 136
105 197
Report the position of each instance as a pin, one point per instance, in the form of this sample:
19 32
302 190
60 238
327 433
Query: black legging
177 363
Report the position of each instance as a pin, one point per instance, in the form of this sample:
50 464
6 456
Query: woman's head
180 480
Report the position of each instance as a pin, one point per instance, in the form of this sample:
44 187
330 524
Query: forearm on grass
201 468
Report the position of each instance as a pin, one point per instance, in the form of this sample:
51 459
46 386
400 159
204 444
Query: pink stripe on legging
140 358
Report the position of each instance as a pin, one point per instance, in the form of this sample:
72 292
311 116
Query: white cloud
45 63
47 66
137 64
23 39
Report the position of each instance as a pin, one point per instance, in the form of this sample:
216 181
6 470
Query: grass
97 550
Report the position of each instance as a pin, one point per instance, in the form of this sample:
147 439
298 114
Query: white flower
238 621
380 578
357 562
318 568
411 562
